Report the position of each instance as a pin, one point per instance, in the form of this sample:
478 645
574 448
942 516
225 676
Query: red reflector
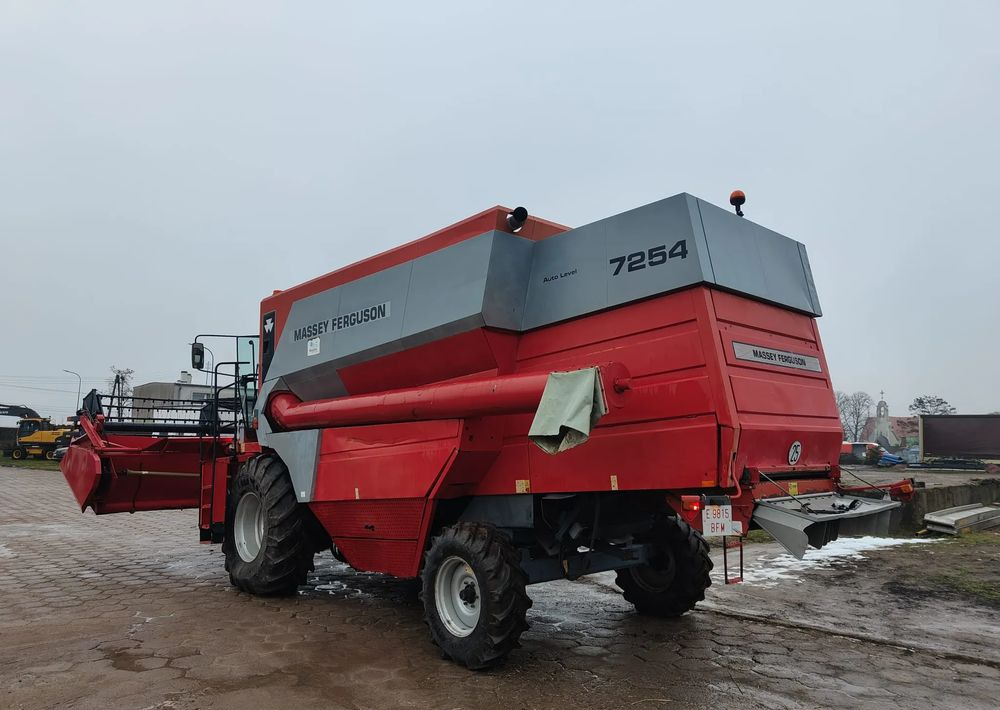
691 503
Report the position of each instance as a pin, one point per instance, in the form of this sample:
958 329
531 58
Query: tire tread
287 550
692 577
491 553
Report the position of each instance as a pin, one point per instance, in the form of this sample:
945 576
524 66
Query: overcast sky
165 166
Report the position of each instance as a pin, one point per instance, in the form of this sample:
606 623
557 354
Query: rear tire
267 545
676 578
474 595
50 455
18 454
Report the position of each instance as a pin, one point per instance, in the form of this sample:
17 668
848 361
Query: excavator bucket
814 520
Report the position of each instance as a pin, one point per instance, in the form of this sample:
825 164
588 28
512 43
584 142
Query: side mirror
198 356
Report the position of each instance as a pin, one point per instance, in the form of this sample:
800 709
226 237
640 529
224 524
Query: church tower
883 433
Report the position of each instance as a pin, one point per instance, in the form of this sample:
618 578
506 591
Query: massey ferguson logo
794 453
267 341
343 322
773 356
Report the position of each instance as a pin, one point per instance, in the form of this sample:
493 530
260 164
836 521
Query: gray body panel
749 259
475 283
572 275
300 452
500 280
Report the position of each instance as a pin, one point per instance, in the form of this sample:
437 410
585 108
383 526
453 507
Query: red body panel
694 418
777 405
384 461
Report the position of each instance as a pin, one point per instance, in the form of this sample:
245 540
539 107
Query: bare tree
124 377
931 404
854 411
842 401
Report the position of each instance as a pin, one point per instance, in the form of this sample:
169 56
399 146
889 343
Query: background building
891 432
169 400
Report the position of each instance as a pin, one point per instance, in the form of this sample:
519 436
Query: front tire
267 545
18 454
676 578
474 595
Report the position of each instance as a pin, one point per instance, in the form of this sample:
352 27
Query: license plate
718 520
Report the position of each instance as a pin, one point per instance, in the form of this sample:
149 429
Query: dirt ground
929 595
131 612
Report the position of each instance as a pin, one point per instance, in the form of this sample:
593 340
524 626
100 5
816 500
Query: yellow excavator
37 436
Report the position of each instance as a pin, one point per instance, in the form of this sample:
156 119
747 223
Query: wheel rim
50 455
656 578
248 527
456 596
16 454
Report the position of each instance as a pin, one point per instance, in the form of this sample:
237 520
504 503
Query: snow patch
769 570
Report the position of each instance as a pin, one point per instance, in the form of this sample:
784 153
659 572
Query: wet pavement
131 612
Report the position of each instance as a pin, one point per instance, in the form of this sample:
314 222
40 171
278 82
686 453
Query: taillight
691 503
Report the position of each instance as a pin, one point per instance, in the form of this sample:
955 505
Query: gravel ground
131 612
930 477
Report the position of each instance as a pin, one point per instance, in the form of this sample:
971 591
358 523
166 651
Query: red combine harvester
504 402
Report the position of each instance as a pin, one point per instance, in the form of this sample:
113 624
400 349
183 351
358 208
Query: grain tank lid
665 246
756 261
489 220
505 281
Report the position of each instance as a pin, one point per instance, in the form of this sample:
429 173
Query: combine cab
509 401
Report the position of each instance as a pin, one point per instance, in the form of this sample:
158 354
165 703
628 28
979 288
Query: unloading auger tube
510 394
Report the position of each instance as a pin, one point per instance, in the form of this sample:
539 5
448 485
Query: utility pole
79 388
208 372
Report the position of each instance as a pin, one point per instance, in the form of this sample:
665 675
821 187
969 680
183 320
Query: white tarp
571 406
